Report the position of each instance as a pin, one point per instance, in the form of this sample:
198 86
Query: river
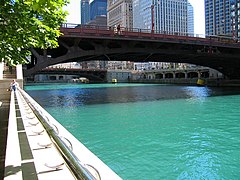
149 131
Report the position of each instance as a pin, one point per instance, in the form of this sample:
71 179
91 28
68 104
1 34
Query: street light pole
152 13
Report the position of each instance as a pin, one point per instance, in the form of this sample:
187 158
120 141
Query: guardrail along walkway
30 152
38 147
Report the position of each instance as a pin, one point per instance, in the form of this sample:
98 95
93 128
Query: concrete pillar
199 75
185 75
164 76
19 71
1 70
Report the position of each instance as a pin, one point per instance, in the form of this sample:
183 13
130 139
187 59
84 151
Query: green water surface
196 136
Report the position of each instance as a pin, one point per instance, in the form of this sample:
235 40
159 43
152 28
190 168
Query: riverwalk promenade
5 78
24 145
35 146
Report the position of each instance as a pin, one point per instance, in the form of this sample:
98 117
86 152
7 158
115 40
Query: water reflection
78 96
197 94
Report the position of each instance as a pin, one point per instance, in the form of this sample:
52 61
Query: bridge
85 43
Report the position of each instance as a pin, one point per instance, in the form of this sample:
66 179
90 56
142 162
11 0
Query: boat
200 82
83 80
114 80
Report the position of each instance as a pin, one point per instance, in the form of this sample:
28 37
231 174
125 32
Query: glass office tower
236 18
169 15
142 14
85 14
98 8
190 19
218 17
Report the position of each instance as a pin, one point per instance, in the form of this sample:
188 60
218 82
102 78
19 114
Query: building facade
171 16
190 19
142 14
99 21
85 11
236 18
98 8
168 15
120 12
218 17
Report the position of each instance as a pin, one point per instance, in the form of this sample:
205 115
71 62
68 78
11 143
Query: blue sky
199 23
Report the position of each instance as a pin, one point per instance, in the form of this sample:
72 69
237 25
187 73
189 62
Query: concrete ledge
13 155
26 155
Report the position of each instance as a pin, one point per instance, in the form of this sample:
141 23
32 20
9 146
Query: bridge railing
125 29
209 40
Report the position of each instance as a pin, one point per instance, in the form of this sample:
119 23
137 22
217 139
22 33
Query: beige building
120 12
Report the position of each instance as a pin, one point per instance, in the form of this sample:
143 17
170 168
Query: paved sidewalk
4 112
30 148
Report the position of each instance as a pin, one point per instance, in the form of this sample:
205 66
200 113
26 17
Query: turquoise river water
151 131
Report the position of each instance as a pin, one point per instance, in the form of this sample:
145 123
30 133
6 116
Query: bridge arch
192 75
204 74
180 75
159 76
169 75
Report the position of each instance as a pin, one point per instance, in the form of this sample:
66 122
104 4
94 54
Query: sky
199 23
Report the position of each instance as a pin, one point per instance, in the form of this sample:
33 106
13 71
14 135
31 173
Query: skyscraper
168 15
85 14
171 15
218 18
98 8
119 12
236 18
142 14
190 19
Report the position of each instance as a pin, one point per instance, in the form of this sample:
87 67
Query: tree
29 23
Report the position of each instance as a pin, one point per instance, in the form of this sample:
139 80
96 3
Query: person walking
13 85
118 29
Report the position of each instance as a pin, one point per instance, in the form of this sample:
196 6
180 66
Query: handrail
76 166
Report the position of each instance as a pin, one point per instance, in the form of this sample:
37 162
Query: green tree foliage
28 23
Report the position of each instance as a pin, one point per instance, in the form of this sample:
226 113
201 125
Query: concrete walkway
4 112
30 153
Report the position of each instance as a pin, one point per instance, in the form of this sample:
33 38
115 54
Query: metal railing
148 33
126 29
176 33
63 144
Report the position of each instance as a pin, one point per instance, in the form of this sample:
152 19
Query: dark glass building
85 14
98 8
